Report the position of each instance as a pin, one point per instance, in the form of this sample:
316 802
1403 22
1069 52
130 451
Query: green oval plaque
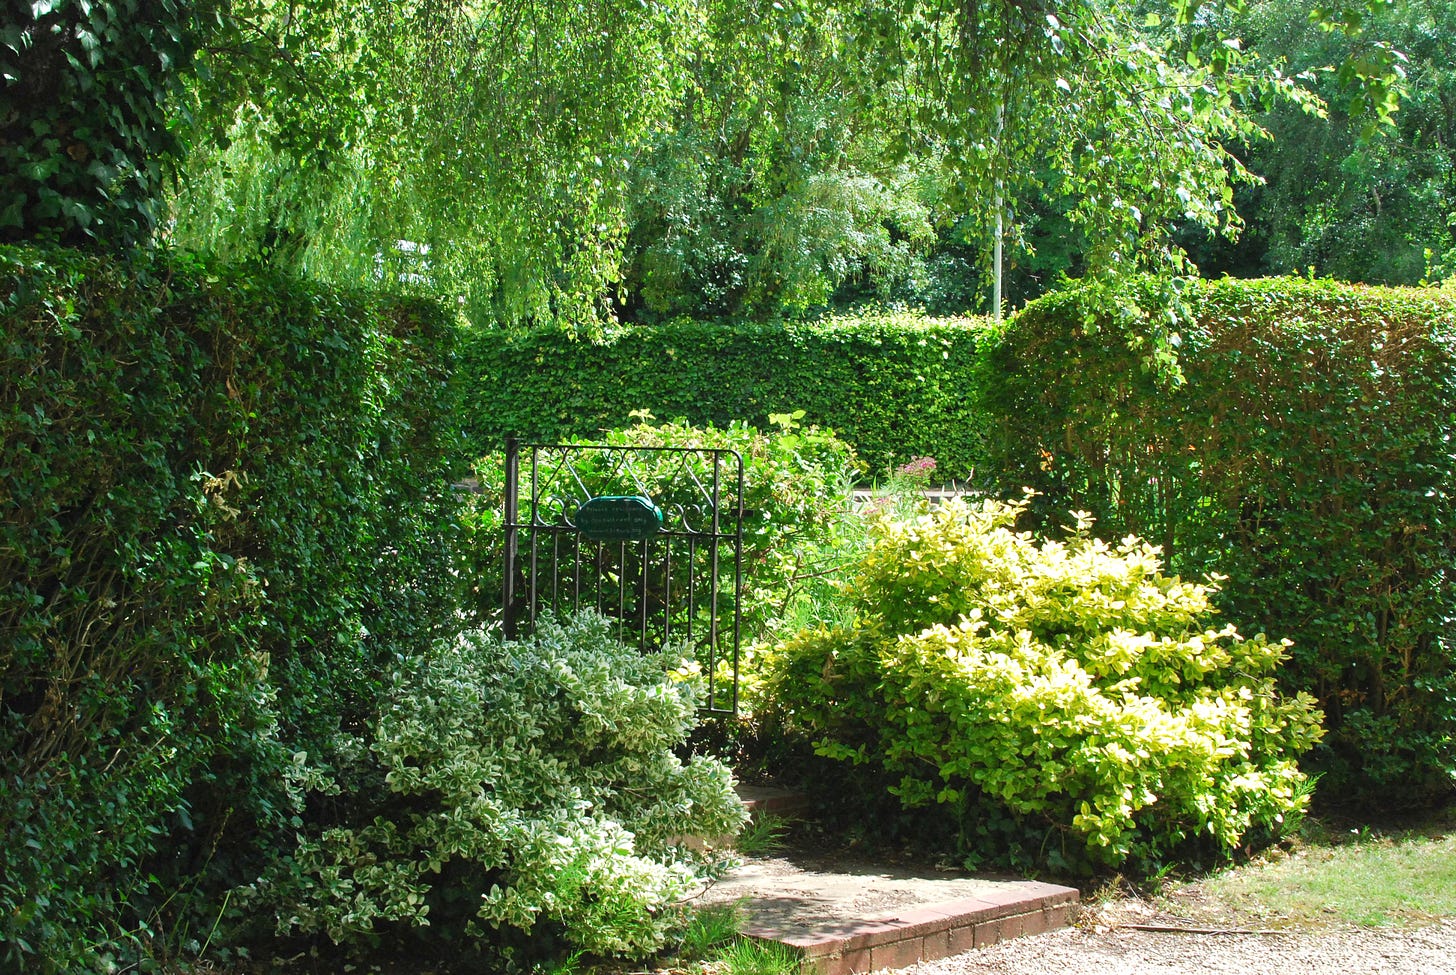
619 518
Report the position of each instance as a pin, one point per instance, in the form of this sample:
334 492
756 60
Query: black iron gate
649 536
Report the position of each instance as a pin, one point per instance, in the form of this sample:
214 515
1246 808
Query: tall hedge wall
224 496
895 386
1307 455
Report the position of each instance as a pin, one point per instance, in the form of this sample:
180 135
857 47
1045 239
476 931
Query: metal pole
1000 226
512 509
996 280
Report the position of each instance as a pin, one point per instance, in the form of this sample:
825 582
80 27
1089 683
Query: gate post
509 609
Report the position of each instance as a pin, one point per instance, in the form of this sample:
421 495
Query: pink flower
919 469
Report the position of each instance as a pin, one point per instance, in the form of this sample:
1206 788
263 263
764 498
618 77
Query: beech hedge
1302 448
226 500
895 386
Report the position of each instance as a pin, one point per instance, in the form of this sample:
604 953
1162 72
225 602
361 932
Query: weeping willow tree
545 162
561 162
765 194
481 148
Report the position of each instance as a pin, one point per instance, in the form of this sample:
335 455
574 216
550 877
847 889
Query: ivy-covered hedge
84 130
225 496
1305 452
894 386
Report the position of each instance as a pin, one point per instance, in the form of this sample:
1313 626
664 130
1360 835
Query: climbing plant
85 104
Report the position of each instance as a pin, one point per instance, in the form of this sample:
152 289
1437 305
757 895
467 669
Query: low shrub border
513 797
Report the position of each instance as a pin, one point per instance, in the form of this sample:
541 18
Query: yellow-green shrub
1068 702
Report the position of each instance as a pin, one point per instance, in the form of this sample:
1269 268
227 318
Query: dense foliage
1304 453
530 787
895 386
764 194
226 502
492 138
1065 702
570 165
573 165
1349 202
84 108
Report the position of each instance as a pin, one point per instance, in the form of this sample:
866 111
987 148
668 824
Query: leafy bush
1303 452
225 502
515 785
893 385
1065 701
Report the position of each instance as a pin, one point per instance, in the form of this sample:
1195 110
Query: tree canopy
1338 197
84 138
585 162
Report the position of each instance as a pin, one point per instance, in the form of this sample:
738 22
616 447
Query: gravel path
1098 949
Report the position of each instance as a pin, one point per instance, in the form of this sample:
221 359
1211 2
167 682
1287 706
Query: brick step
922 932
845 917
773 801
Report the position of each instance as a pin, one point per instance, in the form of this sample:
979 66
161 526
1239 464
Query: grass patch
746 957
764 835
710 929
1359 878
712 944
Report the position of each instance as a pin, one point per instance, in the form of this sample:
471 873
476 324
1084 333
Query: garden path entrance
651 537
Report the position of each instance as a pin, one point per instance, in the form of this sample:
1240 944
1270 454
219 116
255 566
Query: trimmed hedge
225 495
1305 453
894 386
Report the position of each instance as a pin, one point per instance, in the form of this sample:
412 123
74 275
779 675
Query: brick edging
931 932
